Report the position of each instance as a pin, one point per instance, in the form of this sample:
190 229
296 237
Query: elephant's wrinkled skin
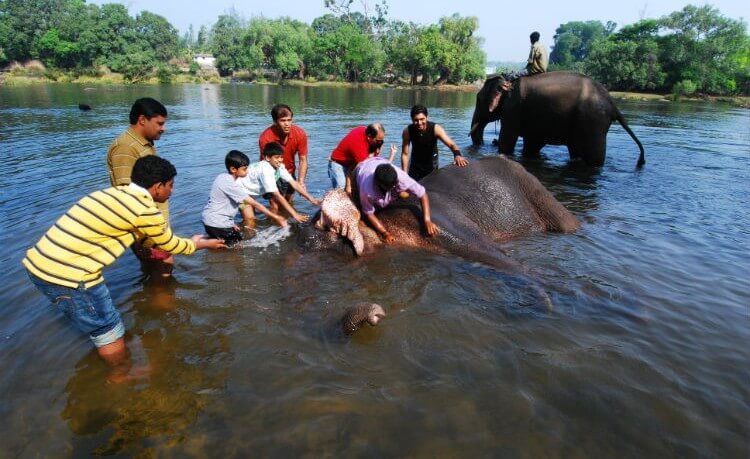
556 108
492 199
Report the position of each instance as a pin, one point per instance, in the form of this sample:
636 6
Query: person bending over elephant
423 135
378 184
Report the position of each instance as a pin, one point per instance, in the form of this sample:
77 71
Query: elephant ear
339 215
495 100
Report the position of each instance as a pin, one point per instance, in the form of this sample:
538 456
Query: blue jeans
337 174
90 310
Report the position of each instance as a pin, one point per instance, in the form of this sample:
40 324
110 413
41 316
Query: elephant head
488 106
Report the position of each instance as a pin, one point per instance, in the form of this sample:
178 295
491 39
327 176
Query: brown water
645 354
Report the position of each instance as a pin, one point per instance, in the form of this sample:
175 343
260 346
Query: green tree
226 43
399 42
468 61
111 37
23 23
629 58
282 44
158 34
574 40
702 46
625 64
57 52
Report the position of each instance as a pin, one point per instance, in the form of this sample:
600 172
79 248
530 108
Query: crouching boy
66 264
226 196
262 179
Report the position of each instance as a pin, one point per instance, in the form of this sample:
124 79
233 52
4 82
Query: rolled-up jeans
337 173
90 310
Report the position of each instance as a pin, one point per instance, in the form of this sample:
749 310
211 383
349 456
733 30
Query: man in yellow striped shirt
66 264
148 119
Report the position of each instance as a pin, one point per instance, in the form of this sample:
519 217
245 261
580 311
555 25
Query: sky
505 27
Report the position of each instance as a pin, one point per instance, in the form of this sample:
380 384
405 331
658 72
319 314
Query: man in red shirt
294 140
359 144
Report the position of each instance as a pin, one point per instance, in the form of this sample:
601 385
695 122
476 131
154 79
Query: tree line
692 50
695 50
347 46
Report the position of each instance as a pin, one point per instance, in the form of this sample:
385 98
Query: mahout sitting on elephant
556 108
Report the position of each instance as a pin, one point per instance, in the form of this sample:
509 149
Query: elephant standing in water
492 199
556 108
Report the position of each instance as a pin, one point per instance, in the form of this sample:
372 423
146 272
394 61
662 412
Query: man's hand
201 243
388 237
432 229
281 221
460 161
301 218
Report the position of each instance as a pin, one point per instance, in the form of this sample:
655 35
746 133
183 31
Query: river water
645 354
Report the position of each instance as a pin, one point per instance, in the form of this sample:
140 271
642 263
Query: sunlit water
646 353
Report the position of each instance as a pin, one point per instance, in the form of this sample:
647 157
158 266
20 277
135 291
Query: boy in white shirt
225 198
262 178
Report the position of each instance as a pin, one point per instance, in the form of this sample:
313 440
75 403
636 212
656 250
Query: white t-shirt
261 178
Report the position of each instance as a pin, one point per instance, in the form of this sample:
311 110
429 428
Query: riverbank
11 79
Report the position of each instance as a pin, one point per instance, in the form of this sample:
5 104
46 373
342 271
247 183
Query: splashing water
266 237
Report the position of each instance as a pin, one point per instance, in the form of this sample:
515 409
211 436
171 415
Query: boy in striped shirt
66 264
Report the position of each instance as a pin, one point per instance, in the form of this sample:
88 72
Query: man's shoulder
131 142
296 130
269 132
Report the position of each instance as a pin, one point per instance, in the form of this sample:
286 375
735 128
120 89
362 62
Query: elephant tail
620 119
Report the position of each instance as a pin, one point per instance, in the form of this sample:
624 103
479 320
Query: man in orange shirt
294 140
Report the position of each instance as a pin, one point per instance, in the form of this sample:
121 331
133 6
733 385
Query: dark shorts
284 188
419 170
230 235
152 259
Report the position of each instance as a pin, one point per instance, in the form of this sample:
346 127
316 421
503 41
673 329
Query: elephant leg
507 143
531 147
590 146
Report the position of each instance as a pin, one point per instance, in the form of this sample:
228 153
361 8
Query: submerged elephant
556 108
492 199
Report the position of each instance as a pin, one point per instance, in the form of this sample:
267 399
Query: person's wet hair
281 110
372 129
152 169
147 107
236 159
419 108
385 176
272 149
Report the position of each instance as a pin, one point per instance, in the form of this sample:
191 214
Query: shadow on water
173 377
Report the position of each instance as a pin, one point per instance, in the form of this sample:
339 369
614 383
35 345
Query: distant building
205 60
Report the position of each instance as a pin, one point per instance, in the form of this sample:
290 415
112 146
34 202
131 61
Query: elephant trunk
356 316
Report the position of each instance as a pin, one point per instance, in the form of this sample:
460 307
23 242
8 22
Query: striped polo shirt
97 230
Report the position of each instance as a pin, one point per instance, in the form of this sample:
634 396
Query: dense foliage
695 50
346 46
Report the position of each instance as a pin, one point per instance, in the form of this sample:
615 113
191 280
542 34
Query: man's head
273 152
147 117
419 117
385 177
236 163
534 37
375 134
155 174
282 117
